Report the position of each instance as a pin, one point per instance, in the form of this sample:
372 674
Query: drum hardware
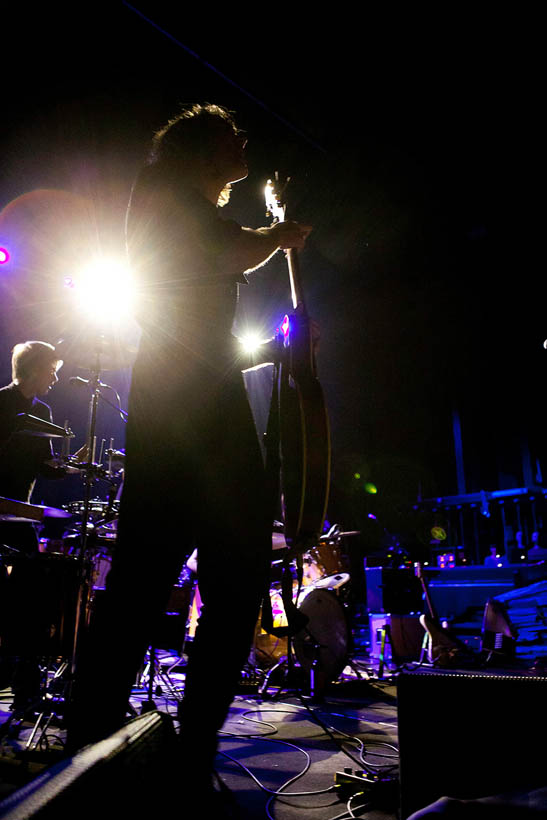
155 680
41 643
184 600
52 707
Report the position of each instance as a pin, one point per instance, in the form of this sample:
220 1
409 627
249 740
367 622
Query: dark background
413 144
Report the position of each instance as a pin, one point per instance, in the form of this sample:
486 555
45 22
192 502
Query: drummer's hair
189 136
26 355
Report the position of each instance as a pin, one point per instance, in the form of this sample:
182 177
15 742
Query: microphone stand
92 471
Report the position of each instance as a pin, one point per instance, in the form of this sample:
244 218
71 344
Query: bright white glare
251 342
104 289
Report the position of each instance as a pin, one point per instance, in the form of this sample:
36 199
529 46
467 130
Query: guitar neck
297 294
419 574
276 209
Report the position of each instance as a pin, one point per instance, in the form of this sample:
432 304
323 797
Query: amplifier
469 734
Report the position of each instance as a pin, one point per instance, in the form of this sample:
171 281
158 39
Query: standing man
194 474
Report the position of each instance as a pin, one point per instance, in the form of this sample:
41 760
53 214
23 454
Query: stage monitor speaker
120 776
467 735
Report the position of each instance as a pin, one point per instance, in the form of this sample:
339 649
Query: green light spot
371 488
357 475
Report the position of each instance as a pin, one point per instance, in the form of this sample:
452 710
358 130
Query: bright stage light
251 342
4 256
103 289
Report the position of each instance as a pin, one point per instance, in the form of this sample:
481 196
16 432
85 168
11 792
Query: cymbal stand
150 670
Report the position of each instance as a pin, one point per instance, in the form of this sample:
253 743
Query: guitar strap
296 620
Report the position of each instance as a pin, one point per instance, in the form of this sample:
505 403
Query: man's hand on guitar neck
256 245
290 234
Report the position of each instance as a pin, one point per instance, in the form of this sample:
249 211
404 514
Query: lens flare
103 289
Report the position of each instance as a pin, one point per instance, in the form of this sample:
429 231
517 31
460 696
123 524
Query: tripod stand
153 677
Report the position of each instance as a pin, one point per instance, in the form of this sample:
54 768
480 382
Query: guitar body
305 442
303 419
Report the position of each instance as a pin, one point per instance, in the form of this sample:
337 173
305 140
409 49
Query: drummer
34 367
22 458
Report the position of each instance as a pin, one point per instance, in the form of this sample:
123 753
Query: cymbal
34 426
12 510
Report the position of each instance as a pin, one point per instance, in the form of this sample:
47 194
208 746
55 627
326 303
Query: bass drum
322 647
328 629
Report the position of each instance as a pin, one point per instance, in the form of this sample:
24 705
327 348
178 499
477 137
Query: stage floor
273 744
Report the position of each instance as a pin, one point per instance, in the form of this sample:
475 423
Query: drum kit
322 648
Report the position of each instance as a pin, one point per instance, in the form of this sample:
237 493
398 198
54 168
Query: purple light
285 326
69 282
4 256
370 515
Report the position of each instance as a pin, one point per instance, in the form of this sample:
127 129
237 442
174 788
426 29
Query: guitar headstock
274 194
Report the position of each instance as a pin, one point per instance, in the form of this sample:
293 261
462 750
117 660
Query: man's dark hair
189 133
189 136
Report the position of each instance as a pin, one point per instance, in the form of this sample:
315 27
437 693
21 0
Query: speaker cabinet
469 734
117 777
